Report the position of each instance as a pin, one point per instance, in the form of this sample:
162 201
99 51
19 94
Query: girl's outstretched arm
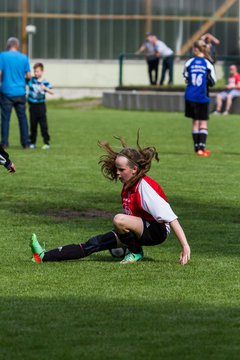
185 253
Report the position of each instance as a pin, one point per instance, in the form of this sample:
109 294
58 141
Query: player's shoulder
146 180
209 63
189 62
149 185
201 60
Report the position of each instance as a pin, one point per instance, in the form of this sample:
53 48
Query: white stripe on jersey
154 204
2 160
210 67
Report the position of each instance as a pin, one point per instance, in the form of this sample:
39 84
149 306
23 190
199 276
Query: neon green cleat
45 147
131 258
37 250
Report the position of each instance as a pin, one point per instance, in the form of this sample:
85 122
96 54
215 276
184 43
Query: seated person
231 91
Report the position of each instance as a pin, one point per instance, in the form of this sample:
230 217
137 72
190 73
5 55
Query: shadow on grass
96 328
213 211
50 204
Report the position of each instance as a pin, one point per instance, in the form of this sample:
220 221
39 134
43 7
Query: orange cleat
203 153
207 152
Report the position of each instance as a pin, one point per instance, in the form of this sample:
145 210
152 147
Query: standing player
148 216
38 86
199 73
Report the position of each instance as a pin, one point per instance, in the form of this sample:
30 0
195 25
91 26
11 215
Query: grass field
96 308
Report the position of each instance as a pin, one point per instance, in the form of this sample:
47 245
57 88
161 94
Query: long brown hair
140 157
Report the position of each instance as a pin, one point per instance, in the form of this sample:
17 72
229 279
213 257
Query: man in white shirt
164 52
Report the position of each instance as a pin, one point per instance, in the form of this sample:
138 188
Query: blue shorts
233 93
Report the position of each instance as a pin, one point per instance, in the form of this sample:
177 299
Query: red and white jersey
234 81
147 200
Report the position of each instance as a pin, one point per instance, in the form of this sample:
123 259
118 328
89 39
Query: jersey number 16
197 79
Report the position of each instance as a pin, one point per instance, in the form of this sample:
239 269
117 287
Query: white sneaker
32 146
225 113
46 147
216 113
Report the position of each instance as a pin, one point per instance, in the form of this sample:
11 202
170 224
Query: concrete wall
75 78
144 100
155 101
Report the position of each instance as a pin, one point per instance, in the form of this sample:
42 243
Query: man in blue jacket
14 70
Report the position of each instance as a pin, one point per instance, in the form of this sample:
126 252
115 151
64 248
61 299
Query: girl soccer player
148 216
199 73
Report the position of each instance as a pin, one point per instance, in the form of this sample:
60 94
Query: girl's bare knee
118 221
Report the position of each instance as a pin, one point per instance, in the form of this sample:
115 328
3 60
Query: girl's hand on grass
12 168
185 255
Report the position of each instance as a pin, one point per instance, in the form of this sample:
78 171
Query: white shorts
233 93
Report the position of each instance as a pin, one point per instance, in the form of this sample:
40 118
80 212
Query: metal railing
225 59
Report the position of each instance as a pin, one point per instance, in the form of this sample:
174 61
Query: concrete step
154 101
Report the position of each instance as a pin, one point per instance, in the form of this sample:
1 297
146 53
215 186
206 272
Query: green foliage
96 308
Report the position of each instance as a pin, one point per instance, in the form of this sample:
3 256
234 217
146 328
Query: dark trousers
38 115
19 104
167 64
153 68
